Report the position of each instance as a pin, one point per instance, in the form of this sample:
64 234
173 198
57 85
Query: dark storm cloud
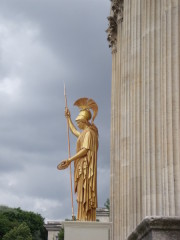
44 44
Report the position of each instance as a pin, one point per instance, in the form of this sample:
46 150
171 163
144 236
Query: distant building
53 227
102 214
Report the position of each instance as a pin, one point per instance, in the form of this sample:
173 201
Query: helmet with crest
85 105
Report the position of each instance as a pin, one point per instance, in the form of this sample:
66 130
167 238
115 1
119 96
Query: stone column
145 120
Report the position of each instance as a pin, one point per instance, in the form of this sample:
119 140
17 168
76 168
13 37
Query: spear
69 153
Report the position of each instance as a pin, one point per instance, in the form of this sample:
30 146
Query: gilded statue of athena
85 159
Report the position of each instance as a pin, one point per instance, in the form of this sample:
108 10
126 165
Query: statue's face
80 124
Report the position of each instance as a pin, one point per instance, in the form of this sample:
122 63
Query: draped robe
85 175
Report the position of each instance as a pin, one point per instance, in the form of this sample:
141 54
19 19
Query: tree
6 224
22 232
61 234
35 222
107 204
13 217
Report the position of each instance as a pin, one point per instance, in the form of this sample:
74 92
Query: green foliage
13 217
107 204
6 224
22 232
61 234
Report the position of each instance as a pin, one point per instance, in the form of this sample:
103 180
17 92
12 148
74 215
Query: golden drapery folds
85 175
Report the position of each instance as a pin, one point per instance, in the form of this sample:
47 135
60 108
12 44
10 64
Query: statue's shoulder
93 129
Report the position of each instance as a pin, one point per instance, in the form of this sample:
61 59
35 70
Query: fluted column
145 120
112 152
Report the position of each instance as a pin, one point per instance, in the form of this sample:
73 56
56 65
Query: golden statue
85 159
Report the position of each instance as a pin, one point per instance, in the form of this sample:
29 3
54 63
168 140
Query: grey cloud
44 44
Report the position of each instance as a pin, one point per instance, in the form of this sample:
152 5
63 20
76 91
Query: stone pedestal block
86 230
157 228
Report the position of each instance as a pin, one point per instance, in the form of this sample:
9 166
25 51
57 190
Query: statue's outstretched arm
65 163
81 153
71 125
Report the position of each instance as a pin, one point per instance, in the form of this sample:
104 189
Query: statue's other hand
67 113
63 165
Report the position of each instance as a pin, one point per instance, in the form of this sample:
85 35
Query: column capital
117 8
116 16
112 31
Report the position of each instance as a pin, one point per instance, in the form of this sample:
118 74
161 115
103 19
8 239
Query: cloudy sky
44 43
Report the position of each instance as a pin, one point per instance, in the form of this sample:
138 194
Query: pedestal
157 228
86 230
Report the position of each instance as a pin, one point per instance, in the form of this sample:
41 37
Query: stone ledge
150 227
78 230
87 224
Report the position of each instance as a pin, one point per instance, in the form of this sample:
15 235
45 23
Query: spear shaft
69 154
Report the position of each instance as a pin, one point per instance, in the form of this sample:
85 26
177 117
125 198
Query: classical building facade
144 36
